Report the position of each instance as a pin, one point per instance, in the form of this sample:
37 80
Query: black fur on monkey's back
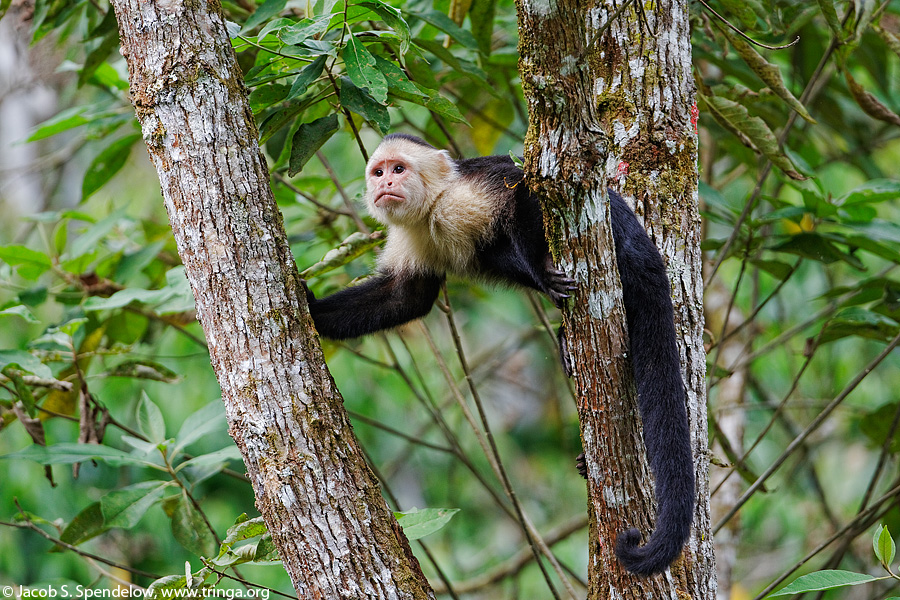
516 251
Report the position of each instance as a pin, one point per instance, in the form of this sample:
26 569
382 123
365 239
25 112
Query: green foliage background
799 188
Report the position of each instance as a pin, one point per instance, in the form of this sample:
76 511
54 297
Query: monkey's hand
558 283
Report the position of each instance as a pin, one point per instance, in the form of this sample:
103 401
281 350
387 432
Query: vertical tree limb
611 102
321 502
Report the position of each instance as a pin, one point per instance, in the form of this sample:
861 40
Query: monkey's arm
382 301
661 394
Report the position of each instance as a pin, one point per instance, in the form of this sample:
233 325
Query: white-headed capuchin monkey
468 217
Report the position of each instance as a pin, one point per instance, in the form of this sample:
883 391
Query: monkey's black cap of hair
409 138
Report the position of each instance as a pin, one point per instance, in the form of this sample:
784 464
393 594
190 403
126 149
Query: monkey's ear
446 163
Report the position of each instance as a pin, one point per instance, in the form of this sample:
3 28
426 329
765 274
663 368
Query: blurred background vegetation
800 148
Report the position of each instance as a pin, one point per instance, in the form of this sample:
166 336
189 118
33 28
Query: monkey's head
403 178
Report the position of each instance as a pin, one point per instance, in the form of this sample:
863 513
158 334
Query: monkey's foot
558 283
580 465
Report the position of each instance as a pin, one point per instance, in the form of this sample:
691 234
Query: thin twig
820 418
29 525
744 35
527 527
870 515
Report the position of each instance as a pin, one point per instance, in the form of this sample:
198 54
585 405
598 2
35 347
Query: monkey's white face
386 181
395 189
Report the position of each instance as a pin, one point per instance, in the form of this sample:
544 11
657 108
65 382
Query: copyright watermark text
80 592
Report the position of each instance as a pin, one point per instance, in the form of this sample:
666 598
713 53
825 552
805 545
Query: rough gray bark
321 502
611 101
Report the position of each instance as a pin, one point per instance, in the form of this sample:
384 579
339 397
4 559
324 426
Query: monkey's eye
399 169
378 172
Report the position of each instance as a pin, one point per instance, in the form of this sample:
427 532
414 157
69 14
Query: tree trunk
611 103
321 502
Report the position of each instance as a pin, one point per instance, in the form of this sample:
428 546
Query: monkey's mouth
388 197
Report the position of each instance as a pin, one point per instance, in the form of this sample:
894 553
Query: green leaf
266 11
822 580
73 326
22 391
859 322
889 38
98 55
278 119
885 231
66 454
125 507
307 140
126 297
752 131
267 95
174 298
208 419
459 65
363 70
417 523
31 263
358 101
433 101
874 190
307 76
85 525
779 270
867 101
446 24
884 546
831 17
205 466
63 121
304 30
876 425
274 26
393 18
244 530
133 263
812 246
20 310
182 298
25 361
188 526
445 108
107 164
89 240
768 72
143 369
166 588
481 17
150 420
396 79
742 10
856 25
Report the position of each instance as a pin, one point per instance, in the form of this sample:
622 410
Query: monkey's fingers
560 280
559 286
581 465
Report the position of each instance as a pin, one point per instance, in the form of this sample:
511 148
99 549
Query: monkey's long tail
661 395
